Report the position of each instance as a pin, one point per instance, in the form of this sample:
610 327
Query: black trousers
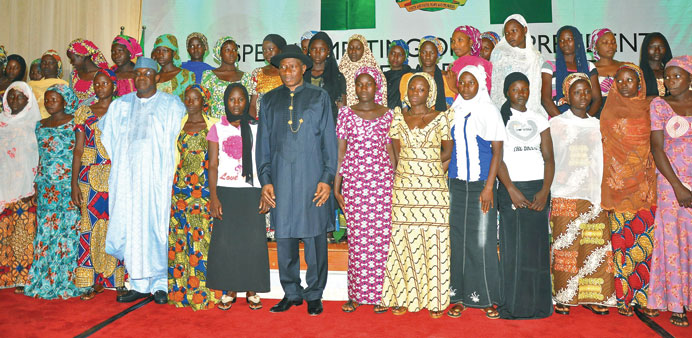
287 250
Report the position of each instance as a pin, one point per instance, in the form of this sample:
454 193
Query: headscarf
492 36
629 173
474 36
245 131
432 94
171 42
333 80
561 67
202 38
682 61
468 60
649 76
505 111
22 66
380 82
206 96
307 35
56 56
3 55
276 39
440 99
84 47
219 44
111 75
403 45
479 104
131 44
36 62
507 59
71 100
18 147
595 35
567 84
349 68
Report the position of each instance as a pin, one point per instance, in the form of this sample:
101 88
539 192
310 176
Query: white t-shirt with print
231 154
522 148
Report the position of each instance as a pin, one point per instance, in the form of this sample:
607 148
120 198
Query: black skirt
526 289
475 267
238 258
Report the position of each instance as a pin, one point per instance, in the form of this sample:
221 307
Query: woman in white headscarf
515 53
18 163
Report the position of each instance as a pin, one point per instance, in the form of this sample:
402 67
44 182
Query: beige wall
30 27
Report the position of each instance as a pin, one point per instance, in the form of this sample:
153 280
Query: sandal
19 290
626 311
679 319
349 306
597 309
562 309
226 305
253 302
88 295
456 310
436 314
399 310
651 313
380 309
491 312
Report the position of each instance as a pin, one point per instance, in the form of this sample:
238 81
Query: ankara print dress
190 228
367 188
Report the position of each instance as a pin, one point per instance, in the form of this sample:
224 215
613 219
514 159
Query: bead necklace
290 118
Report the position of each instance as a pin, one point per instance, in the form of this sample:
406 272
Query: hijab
332 78
171 42
505 111
245 131
201 38
595 35
219 44
71 100
349 68
507 59
84 47
440 100
432 93
393 77
18 147
561 67
380 82
649 76
131 44
468 60
474 37
57 58
629 173
276 39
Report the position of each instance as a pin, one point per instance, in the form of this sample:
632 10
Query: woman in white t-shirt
238 259
526 174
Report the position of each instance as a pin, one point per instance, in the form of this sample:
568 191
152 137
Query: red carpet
26 317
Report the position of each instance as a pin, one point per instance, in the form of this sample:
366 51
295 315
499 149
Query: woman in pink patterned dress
363 187
670 287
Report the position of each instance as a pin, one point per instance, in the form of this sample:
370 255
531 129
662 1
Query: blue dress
57 240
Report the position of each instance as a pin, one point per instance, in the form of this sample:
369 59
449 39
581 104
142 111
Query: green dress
217 87
190 226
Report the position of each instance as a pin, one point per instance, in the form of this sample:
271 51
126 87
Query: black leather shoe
315 307
160 297
285 304
131 296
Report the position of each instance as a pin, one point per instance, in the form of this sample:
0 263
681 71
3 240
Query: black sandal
562 309
595 309
679 319
456 310
227 305
626 311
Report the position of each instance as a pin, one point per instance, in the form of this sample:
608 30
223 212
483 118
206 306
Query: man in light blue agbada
139 133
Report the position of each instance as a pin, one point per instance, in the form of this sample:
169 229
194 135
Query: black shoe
160 297
285 304
315 307
131 296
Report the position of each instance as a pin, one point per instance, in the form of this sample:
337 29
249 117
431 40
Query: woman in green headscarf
172 78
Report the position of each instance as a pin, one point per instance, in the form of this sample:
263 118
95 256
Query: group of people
506 183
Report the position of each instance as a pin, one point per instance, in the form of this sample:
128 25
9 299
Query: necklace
290 117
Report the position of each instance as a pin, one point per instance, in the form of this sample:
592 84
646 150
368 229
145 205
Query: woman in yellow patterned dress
417 273
190 227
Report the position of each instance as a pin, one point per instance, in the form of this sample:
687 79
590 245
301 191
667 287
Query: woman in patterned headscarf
366 168
124 52
216 80
397 56
603 45
488 42
86 59
172 79
570 57
52 274
198 49
96 270
358 55
51 69
417 268
35 70
430 50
